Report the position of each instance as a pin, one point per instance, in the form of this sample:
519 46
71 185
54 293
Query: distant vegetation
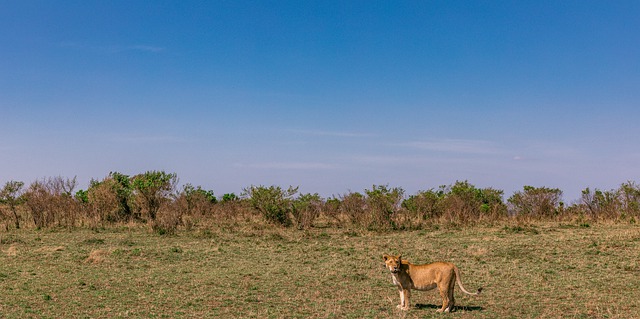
153 198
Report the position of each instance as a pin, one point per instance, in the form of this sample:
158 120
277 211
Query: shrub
38 201
331 209
462 202
123 190
50 201
191 204
151 197
272 202
305 209
167 221
423 207
601 204
536 202
198 200
629 193
354 207
234 210
11 195
492 204
229 197
105 204
152 190
109 200
376 209
383 204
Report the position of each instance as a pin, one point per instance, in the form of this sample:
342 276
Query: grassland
541 271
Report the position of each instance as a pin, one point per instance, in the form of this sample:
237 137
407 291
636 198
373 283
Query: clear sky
333 96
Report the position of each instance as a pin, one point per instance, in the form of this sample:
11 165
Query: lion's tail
459 281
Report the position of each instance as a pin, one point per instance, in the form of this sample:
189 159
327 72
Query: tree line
154 198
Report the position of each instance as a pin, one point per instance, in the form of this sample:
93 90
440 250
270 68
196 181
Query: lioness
408 276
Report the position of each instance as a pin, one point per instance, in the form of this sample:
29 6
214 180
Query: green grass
539 271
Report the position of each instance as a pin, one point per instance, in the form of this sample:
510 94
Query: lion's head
393 263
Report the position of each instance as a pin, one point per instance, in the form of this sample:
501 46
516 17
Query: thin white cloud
148 139
288 166
332 133
413 161
147 48
385 160
455 146
112 49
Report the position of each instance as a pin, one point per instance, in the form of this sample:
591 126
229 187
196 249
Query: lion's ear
399 258
385 257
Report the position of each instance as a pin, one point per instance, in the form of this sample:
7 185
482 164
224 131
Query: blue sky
333 96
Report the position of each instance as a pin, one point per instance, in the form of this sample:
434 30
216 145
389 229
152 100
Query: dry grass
11 251
540 271
97 256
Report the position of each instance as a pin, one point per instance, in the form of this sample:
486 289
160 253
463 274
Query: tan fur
442 275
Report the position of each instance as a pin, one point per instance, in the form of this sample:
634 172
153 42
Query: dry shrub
180 207
331 211
104 204
38 201
305 209
233 212
378 209
354 207
536 203
4 220
622 204
192 205
421 209
167 221
50 202
63 206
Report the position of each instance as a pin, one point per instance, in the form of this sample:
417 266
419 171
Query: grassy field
543 271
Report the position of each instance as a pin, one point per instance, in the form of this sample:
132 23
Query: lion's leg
406 304
452 299
405 294
444 293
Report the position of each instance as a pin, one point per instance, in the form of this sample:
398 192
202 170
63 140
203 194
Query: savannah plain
546 270
139 247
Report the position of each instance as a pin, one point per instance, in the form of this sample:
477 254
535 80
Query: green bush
229 197
383 204
152 190
151 197
11 195
423 207
274 203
